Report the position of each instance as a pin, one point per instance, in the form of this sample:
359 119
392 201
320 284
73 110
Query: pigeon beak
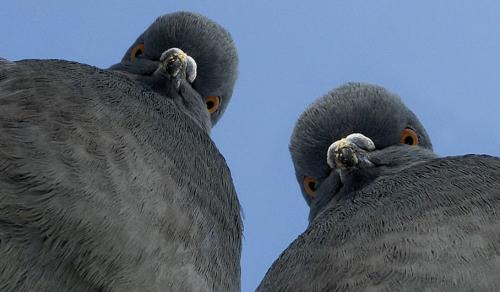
341 155
172 61
347 152
176 63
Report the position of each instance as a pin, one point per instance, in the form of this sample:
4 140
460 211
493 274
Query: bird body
109 185
432 227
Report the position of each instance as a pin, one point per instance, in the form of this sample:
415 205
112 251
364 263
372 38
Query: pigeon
352 108
386 213
211 63
109 180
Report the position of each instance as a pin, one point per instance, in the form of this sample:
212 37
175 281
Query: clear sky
441 57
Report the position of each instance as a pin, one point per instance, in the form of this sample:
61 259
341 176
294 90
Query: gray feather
405 221
107 185
210 45
432 227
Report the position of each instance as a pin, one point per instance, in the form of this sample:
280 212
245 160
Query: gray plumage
205 41
405 221
352 108
109 180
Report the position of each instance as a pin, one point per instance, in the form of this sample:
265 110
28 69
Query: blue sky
441 57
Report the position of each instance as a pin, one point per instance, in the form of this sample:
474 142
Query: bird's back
433 227
104 185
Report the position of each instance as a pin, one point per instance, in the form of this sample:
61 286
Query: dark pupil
210 104
409 140
138 52
312 186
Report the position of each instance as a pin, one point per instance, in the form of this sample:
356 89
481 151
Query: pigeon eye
137 51
310 186
213 103
409 137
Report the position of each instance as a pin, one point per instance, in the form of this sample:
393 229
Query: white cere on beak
361 141
172 52
178 64
353 141
191 69
330 156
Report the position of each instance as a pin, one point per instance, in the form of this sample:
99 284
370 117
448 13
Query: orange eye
310 186
137 51
213 103
409 137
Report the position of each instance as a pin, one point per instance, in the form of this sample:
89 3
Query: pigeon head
365 111
206 45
